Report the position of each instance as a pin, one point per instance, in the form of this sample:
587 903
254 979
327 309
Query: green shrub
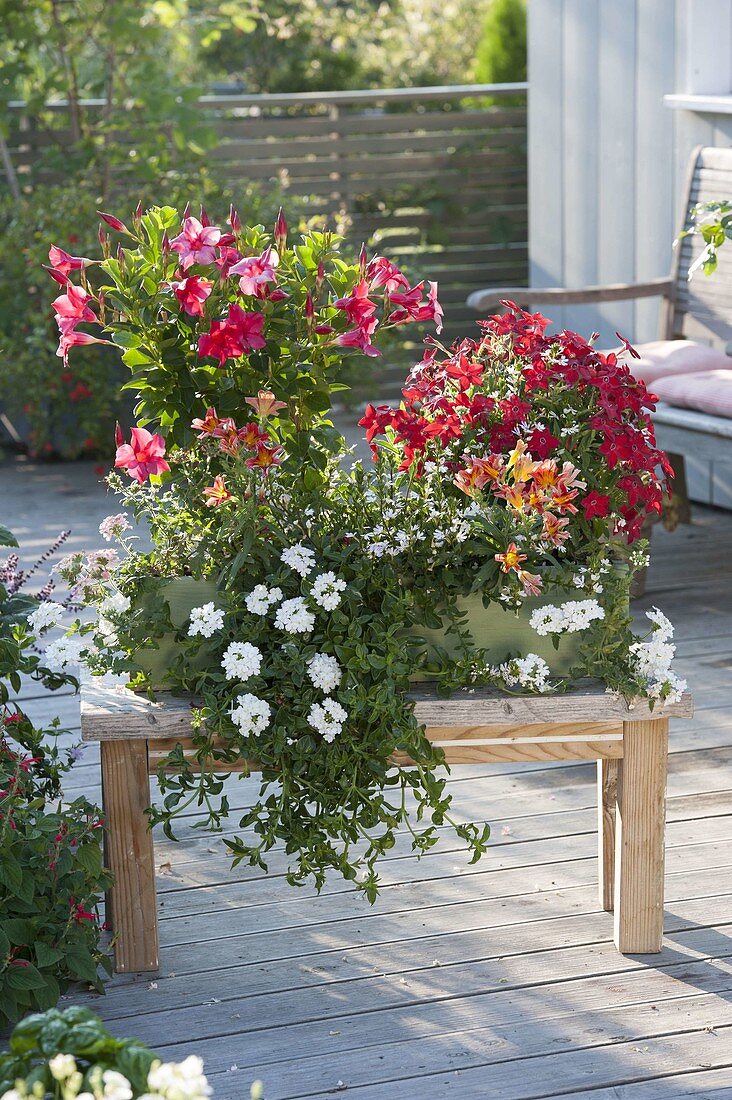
51 874
71 1054
501 54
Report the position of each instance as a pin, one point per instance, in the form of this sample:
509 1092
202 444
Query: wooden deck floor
495 981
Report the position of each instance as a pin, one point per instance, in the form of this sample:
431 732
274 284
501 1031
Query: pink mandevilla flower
196 243
382 272
192 293
63 262
239 334
143 456
72 339
255 272
73 305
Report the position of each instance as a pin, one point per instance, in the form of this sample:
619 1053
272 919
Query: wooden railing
434 176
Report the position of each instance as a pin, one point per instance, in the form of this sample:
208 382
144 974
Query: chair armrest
613 292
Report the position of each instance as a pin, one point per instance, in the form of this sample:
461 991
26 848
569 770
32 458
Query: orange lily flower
265 458
511 559
217 493
513 495
553 530
546 474
265 403
521 463
479 473
532 582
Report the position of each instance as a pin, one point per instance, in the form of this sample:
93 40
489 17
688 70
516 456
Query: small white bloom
325 672
241 661
251 714
294 616
326 591
327 718
530 671
114 526
116 1086
261 598
114 604
62 1066
107 631
206 620
179 1081
299 558
47 614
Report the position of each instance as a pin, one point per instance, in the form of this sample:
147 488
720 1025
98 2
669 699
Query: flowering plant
51 874
519 468
70 1055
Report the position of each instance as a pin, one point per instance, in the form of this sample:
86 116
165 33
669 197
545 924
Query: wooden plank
502 753
115 713
607 790
129 850
640 831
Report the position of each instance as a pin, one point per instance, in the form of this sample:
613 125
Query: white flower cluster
114 604
114 526
47 614
165 1081
241 661
651 660
326 591
294 616
325 672
327 718
591 579
67 651
261 598
530 672
251 714
177 1080
566 618
206 620
300 558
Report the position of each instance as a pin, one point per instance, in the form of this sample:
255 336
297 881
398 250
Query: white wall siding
606 157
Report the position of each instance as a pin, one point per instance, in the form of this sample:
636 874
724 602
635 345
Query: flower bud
234 221
187 211
114 223
363 260
280 230
119 435
309 310
204 217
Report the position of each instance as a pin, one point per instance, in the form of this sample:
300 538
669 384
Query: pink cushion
663 358
708 392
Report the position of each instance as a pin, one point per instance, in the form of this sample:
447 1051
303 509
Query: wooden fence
434 176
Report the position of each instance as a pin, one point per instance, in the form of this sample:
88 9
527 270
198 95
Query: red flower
596 504
239 334
73 306
357 306
143 456
382 272
360 338
192 293
541 442
80 392
256 272
72 339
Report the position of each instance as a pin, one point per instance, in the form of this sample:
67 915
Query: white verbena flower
69 650
241 661
179 1080
530 671
261 598
114 604
566 618
299 558
326 591
327 718
250 714
663 627
294 616
62 1066
325 672
114 526
206 620
47 614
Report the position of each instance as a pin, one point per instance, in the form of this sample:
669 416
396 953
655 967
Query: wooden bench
472 727
693 310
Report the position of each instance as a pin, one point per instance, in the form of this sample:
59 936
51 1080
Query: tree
501 53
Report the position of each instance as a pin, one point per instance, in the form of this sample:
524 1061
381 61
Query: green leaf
81 964
47 956
7 538
24 977
125 339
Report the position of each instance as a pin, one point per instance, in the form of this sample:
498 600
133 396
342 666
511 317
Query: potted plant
502 484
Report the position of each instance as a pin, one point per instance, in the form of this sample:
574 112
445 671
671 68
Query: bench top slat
113 712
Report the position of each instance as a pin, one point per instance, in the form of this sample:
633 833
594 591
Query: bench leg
130 856
607 786
640 837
